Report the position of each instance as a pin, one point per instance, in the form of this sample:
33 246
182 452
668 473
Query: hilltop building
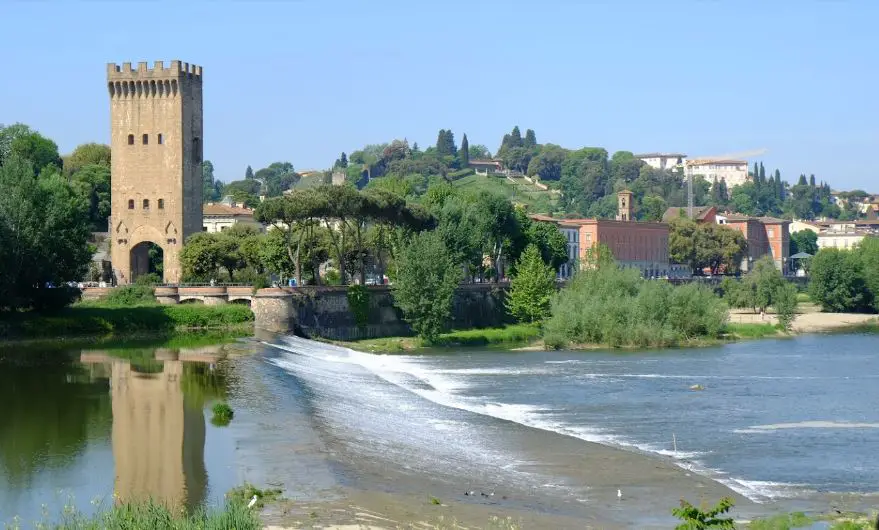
156 135
669 161
734 172
220 216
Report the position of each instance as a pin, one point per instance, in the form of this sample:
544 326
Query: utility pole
690 194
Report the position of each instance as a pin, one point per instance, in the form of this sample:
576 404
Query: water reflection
97 422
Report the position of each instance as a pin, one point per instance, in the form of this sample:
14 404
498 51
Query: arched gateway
156 180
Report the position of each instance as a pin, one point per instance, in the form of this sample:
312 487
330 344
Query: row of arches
146 204
153 88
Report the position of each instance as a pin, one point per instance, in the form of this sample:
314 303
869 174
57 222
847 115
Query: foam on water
758 429
441 386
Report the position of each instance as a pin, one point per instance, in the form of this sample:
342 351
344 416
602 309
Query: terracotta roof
661 155
704 161
700 212
225 209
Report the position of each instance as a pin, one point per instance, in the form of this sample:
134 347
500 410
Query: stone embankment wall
324 312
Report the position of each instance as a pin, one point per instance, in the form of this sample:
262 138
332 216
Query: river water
784 423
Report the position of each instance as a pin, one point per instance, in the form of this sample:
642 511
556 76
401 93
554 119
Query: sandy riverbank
808 322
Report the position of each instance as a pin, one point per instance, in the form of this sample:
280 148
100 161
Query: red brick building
643 246
765 236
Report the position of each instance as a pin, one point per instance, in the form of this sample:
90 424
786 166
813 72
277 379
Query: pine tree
248 173
450 143
802 181
516 137
465 152
530 139
415 148
812 181
441 142
343 160
532 288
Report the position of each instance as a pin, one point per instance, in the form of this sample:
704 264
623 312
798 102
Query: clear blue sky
304 80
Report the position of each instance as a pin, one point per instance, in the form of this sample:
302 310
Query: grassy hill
520 191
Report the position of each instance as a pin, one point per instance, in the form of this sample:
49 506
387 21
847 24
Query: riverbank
508 337
96 320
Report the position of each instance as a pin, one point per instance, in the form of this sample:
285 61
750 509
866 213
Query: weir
319 311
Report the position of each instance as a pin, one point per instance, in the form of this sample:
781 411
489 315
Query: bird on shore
470 493
252 502
619 493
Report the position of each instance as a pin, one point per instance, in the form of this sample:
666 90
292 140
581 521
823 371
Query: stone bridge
170 294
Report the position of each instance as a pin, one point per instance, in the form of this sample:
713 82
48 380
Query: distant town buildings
702 214
766 236
669 161
220 216
484 167
734 172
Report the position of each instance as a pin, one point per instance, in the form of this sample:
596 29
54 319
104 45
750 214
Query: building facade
669 161
734 172
156 180
642 246
764 236
844 240
219 217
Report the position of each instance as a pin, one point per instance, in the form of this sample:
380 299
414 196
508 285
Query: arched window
146 204
130 139
146 139
160 139
196 150
161 204
131 204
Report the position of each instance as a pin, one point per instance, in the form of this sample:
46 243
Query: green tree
445 143
705 245
465 152
868 252
203 255
652 208
248 173
87 155
424 284
208 189
547 164
837 281
549 240
92 183
804 241
530 141
44 230
479 152
785 303
8 134
36 148
532 288
705 519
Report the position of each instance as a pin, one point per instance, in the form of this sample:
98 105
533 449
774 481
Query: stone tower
156 179
625 208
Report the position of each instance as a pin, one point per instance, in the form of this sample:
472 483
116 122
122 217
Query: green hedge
461 173
91 320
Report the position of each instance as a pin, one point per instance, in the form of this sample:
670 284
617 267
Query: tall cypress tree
441 142
762 173
248 173
530 139
465 152
756 173
812 181
516 137
802 181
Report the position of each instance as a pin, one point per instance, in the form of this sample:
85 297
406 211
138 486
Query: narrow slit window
146 139
161 204
130 139
131 204
146 204
160 139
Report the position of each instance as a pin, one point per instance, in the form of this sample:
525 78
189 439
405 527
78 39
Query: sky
302 81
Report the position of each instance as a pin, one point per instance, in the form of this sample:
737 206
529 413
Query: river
785 424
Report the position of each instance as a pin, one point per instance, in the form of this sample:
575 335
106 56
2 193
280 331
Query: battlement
143 71
158 81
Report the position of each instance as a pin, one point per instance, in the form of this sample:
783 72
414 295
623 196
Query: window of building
146 139
161 204
160 139
771 232
131 204
204 229
146 204
130 139
222 228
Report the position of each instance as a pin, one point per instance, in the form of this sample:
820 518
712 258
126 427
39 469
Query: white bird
252 502
619 494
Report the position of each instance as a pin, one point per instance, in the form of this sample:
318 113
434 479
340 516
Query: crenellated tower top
158 81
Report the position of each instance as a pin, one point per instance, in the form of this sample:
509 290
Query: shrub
616 307
130 295
223 414
703 519
358 303
148 279
785 302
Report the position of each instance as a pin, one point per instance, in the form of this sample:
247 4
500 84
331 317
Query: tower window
146 139
161 204
130 139
160 139
146 204
131 204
